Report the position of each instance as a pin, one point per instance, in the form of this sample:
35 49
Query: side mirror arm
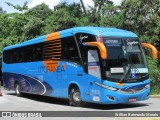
154 50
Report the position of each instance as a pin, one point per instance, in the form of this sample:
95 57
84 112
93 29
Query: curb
155 96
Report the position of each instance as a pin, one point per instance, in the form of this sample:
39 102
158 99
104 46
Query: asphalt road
10 102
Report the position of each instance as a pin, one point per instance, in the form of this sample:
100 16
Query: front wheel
18 90
75 98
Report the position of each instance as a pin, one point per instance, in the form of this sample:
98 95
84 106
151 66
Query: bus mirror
154 50
101 47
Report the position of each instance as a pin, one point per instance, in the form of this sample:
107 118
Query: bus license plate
132 99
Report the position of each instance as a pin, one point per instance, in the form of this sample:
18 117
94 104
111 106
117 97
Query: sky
50 3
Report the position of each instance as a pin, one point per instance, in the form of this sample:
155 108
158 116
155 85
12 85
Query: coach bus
82 64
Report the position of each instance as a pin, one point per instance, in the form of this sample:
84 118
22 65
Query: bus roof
98 31
104 31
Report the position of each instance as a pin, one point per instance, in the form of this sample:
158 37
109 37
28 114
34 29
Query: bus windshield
125 59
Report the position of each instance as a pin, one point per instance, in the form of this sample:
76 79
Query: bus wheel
75 98
18 90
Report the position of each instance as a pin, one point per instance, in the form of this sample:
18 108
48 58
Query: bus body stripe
52 63
53 36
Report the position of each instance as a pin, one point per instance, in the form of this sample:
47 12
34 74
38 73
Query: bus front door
94 63
94 72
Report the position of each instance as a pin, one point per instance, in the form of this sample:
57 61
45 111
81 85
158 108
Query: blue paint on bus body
35 79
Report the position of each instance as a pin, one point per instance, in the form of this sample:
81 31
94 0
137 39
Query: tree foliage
154 75
2 11
139 16
142 16
18 7
64 16
41 11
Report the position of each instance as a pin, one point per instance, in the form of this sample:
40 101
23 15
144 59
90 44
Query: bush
159 60
154 72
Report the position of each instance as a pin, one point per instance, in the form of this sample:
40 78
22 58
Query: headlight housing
107 87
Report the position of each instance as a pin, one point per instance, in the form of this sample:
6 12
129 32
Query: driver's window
82 38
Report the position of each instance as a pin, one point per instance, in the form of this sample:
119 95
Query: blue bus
82 64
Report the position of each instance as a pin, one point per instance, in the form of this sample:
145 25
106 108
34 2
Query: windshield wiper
125 74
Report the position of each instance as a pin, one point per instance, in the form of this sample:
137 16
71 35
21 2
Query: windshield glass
125 59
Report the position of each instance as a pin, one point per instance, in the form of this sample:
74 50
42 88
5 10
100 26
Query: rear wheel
18 90
75 98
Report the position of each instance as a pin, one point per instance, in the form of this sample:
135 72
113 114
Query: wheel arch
72 101
73 85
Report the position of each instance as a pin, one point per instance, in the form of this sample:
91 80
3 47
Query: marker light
100 39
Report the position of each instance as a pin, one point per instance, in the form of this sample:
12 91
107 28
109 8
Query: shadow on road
60 101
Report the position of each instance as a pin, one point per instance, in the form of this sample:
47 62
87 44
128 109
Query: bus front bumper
115 97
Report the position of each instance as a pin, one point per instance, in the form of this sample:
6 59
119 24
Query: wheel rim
77 97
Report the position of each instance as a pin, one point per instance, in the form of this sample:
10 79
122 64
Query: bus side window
69 50
33 53
7 56
29 53
15 56
39 53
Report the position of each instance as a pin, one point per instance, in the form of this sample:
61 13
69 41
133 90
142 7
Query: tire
18 90
75 98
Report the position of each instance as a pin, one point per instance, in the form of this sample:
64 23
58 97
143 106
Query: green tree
41 11
4 25
25 27
102 12
154 75
32 28
64 16
141 17
112 16
18 21
2 11
22 8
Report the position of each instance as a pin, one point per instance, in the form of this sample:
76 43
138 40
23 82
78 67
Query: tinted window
70 50
64 49
82 38
24 54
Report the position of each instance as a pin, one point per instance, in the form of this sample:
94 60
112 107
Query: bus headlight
106 87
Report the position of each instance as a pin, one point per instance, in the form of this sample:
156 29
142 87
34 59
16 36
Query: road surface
10 102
